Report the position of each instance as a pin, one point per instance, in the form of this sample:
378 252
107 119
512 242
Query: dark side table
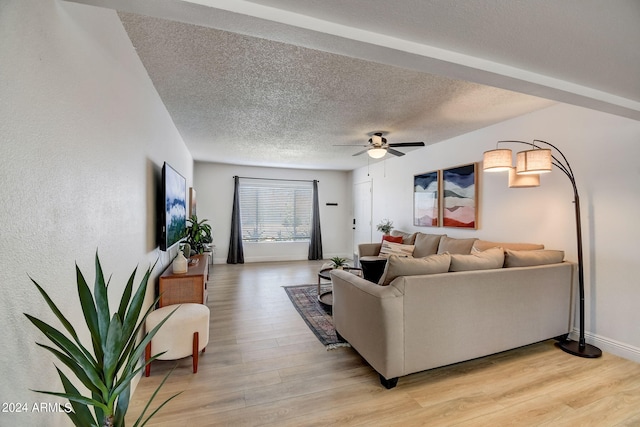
372 269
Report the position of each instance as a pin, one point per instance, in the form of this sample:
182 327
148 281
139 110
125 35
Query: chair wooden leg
195 352
147 356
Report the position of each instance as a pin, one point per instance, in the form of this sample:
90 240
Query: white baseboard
610 346
272 258
277 258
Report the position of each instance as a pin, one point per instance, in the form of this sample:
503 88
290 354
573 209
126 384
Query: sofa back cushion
400 266
483 245
407 238
486 260
390 248
455 246
529 258
426 244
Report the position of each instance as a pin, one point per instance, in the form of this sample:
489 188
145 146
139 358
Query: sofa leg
388 384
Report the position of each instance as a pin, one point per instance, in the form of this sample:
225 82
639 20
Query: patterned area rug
315 314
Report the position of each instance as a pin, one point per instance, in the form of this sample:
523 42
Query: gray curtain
236 253
315 246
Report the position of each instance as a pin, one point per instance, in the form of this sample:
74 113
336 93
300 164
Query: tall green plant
198 234
108 371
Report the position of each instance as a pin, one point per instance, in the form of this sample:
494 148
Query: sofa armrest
369 249
371 318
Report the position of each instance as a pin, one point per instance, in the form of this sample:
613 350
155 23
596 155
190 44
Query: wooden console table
186 287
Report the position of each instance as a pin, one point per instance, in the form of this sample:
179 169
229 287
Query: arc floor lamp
529 165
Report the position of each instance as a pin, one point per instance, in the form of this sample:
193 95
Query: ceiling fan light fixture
377 153
376 139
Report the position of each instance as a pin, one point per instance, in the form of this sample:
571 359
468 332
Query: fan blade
361 152
394 152
407 144
350 145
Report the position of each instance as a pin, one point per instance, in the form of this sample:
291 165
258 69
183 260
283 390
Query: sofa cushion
426 244
401 266
529 258
392 239
483 245
407 238
390 248
484 260
455 246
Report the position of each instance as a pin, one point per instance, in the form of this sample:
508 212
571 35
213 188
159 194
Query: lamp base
573 347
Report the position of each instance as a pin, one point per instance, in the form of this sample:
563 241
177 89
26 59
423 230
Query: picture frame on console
460 196
426 199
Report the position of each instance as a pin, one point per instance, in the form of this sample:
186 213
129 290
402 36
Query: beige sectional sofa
423 316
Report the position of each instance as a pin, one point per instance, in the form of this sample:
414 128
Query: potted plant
385 226
338 262
198 234
108 370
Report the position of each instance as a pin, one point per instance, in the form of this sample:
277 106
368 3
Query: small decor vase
180 264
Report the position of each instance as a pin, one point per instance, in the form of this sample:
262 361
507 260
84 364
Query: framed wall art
460 197
426 198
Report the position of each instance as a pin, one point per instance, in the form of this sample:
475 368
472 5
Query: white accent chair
185 333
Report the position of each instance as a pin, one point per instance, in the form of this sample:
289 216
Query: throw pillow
483 245
407 238
390 248
392 239
426 244
399 266
455 246
529 258
486 260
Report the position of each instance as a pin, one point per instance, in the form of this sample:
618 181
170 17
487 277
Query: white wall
214 190
83 136
603 151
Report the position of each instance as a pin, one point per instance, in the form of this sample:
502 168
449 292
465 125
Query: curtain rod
275 179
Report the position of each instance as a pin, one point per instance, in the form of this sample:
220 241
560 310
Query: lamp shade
377 153
498 160
533 161
523 181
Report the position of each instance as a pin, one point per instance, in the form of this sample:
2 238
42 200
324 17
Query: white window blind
275 210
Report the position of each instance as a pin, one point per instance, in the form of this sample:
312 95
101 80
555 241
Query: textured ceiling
241 99
281 82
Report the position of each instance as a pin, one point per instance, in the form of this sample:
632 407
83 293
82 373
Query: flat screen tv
174 209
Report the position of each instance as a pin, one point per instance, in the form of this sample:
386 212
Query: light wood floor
263 366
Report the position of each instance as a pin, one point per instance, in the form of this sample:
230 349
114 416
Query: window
275 210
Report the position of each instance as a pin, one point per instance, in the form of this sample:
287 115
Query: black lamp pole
579 348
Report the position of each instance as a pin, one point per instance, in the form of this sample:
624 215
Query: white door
362 206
